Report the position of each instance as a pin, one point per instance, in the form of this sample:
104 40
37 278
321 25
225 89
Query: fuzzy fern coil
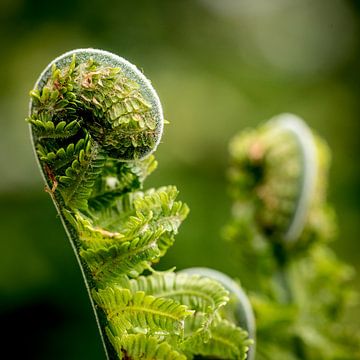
95 121
280 228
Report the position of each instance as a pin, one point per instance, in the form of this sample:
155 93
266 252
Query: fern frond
144 167
63 156
223 341
197 292
91 236
126 258
118 178
50 130
166 213
135 213
126 310
104 200
76 185
282 222
95 120
142 347
95 237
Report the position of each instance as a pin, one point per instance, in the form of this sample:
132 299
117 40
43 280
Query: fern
129 258
198 293
281 224
62 156
127 310
139 346
119 178
76 185
95 120
224 340
47 129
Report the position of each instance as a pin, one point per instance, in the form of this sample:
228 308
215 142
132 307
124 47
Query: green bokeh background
218 66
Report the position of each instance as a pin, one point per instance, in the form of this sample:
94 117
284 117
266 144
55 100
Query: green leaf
126 310
165 212
125 258
223 341
63 156
197 292
140 346
77 183
48 130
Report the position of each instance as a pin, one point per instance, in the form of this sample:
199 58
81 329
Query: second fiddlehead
281 224
95 120
278 173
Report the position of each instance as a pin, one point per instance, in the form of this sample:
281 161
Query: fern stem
109 352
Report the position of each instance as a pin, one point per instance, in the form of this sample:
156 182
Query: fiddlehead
95 120
278 174
281 223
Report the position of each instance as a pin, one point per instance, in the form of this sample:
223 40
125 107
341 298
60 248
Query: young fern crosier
95 120
281 224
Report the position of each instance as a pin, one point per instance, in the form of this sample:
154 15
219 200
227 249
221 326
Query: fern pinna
281 225
95 120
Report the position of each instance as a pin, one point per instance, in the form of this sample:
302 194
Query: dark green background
218 67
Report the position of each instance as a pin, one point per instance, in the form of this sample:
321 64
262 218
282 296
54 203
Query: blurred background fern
218 67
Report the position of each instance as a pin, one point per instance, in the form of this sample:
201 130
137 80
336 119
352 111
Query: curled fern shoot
95 121
281 226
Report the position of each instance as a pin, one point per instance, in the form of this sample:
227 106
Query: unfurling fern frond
223 341
76 185
119 178
278 175
140 346
95 120
281 224
164 213
197 292
136 213
127 258
48 130
63 156
128 310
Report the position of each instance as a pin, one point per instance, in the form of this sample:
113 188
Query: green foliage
128 310
63 156
199 293
93 129
222 340
76 185
300 291
278 173
119 178
47 129
142 347
129 258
